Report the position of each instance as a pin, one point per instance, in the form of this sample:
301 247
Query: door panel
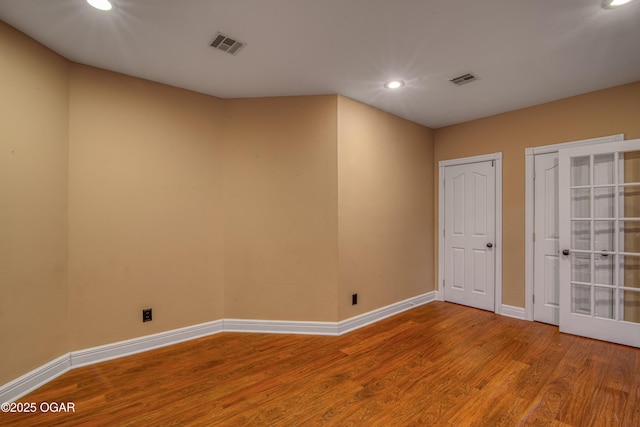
479 205
458 265
469 227
600 237
479 277
546 229
551 289
458 196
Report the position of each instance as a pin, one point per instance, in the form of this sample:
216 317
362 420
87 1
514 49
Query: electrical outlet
354 299
146 315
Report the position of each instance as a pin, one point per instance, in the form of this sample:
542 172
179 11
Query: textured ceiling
525 52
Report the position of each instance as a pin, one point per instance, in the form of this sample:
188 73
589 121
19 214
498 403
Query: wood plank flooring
438 365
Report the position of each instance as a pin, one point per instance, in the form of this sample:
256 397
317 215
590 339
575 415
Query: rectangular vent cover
227 44
463 79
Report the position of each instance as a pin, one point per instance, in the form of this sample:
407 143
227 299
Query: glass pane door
600 266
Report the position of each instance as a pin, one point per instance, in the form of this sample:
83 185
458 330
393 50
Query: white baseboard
511 311
326 328
47 372
137 345
365 319
32 380
280 327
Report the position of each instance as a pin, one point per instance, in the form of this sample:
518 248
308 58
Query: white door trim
497 158
529 207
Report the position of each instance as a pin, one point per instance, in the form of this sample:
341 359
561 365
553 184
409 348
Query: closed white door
599 203
546 274
469 233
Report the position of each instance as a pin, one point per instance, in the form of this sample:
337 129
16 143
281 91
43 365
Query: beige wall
124 194
280 203
34 100
385 208
145 213
606 112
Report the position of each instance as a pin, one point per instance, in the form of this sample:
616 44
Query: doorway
542 228
470 223
546 235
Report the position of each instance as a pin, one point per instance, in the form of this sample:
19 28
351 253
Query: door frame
442 164
529 192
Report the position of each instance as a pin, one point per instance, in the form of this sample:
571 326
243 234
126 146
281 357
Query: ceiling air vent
227 44
465 78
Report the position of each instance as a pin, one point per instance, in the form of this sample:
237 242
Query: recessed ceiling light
608 4
100 4
394 84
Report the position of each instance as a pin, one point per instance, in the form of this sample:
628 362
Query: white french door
469 234
599 200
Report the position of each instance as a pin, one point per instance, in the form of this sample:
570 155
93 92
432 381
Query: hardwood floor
439 365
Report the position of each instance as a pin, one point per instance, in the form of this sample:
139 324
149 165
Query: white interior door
546 274
599 203
469 234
